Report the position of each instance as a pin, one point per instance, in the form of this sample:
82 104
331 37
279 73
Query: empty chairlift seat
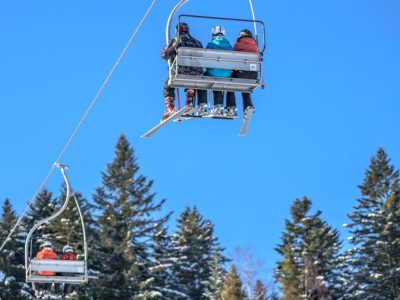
67 271
211 58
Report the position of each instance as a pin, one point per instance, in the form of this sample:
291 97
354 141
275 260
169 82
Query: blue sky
332 72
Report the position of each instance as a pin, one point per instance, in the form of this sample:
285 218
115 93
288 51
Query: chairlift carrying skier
182 39
46 252
219 41
246 43
68 254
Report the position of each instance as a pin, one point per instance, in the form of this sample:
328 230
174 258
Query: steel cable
89 109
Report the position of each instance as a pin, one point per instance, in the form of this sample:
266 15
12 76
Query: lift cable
254 17
89 109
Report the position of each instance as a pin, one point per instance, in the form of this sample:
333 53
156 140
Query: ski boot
190 97
231 111
169 108
217 110
201 110
247 110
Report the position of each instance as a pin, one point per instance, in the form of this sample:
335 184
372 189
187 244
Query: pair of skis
186 110
178 113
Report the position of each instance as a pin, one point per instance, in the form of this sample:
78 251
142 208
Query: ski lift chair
215 58
72 271
77 269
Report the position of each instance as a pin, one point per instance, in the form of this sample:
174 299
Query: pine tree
162 261
216 281
69 231
125 225
274 295
194 246
310 261
12 275
375 229
68 225
260 291
43 207
233 287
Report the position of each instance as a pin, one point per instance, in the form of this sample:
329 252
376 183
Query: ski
176 114
222 117
208 116
246 121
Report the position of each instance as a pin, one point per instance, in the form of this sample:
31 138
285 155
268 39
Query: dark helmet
182 28
245 33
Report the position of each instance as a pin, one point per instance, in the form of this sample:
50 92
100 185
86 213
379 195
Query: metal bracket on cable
60 166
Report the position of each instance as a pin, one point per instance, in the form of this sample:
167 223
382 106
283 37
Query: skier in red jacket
246 43
68 254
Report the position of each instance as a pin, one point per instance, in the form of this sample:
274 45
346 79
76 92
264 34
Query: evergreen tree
375 229
233 287
162 261
43 207
310 261
274 295
260 291
69 232
125 226
194 246
217 278
12 275
68 225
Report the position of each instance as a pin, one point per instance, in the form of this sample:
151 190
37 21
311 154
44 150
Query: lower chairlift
67 271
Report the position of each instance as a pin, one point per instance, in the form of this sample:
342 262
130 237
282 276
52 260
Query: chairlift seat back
58 265
222 59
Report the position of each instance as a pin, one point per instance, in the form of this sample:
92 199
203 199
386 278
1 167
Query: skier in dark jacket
182 39
246 43
219 41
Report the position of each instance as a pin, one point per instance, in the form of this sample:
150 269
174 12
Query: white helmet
218 30
67 249
46 244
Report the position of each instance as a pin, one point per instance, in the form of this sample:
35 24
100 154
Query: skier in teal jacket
219 41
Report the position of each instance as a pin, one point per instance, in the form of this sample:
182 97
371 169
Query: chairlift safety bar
231 19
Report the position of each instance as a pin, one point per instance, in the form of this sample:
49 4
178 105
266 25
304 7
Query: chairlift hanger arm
171 15
254 18
55 215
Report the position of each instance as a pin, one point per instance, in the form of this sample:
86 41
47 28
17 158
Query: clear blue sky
332 71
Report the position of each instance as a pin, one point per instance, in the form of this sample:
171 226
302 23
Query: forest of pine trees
135 256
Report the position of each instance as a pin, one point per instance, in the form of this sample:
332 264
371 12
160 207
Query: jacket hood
220 42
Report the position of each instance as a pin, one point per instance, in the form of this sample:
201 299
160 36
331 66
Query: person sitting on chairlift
219 41
68 254
246 43
46 252
182 39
